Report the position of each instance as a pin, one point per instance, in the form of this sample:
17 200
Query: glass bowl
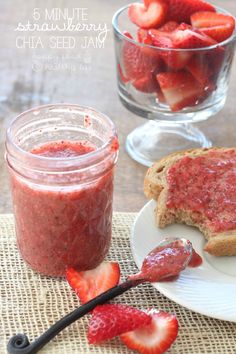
202 76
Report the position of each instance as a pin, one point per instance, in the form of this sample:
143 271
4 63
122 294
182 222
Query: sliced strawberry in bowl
146 84
216 25
219 33
186 37
111 320
200 68
149 16
161 39
180 89
174 59
139 61
208 19
144 37
181 10
156 337
91 283
216 59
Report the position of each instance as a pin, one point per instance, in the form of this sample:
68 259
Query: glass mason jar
61 160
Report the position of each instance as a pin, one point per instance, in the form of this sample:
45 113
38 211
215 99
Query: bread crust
156 187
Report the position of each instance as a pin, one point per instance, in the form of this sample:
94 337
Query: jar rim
80 158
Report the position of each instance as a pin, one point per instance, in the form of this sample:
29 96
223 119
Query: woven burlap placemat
30 303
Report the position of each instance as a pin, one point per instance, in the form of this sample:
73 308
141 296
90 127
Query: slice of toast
156 186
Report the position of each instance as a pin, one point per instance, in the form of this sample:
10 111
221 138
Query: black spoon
19 344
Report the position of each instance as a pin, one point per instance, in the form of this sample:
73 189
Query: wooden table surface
33 76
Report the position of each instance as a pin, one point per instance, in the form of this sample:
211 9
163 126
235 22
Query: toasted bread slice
156 187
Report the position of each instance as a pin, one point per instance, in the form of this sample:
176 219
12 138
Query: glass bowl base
154 112
153 140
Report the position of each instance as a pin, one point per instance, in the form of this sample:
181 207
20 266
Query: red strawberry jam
205 186
166 262
196 260
65 226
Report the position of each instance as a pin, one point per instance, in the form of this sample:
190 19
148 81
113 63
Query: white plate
209 289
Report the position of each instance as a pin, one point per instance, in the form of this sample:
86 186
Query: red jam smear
66 226
206 186
196 260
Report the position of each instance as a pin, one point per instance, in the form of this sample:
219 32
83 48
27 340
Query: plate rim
158 287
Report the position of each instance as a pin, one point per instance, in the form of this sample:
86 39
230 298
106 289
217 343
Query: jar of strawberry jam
61 160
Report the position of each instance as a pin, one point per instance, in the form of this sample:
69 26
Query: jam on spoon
168 259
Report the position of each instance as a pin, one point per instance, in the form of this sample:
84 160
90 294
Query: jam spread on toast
205 186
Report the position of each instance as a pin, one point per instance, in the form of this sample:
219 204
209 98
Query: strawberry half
149 16
217 26
180 89
174 59
155 338
181 10
91 283
111 320
186 37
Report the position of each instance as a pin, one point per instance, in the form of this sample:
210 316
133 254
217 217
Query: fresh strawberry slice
208 19
181 10
177 60
151 16
186 37
200 68
219 33
218 26
169 26
174 59
111 320
145 38
146 84
180 89
91 283
161 39
155 338
139 61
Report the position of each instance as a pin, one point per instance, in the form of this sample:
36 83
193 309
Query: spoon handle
19 344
